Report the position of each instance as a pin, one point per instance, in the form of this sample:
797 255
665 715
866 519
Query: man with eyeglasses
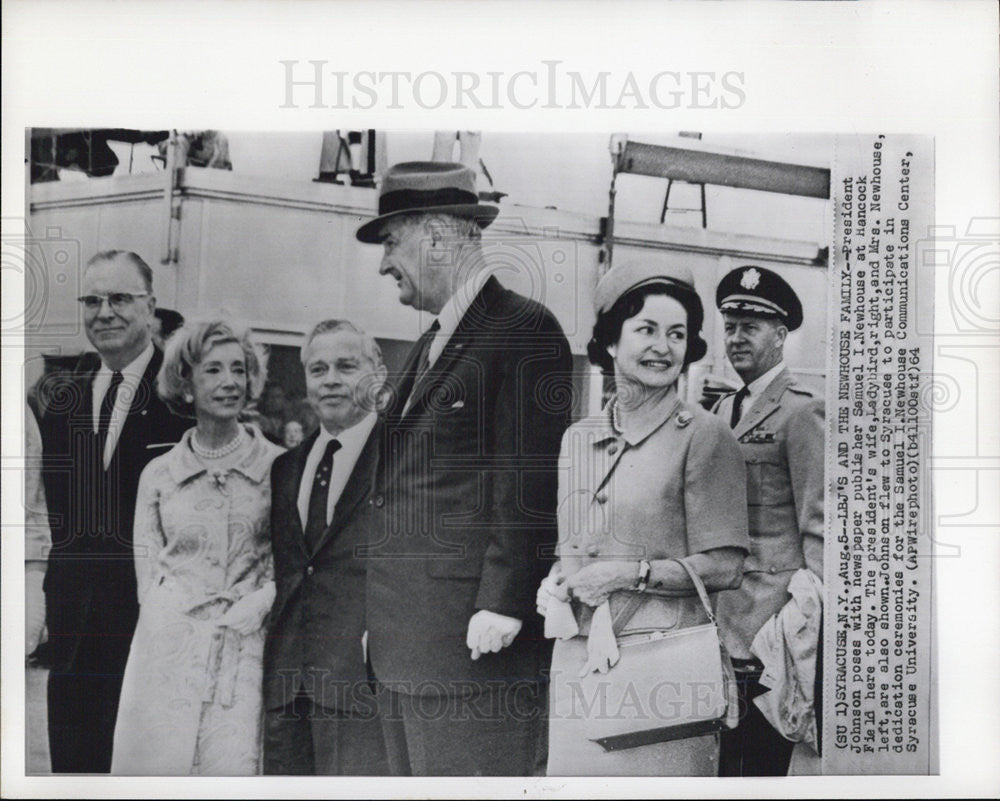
102 426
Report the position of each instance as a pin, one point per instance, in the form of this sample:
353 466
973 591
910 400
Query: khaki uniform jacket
781 438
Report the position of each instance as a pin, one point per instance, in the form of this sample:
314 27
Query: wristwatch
643 580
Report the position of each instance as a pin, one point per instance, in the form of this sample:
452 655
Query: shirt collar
458 304
759 384
350 439
136 367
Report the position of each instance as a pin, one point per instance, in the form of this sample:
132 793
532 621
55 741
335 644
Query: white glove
490 632
602 645
34 610
551 588
247 615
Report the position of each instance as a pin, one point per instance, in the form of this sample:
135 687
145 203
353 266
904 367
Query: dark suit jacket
318 617
90 587
466 498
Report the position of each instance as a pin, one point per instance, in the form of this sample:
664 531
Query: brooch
684 419
220 479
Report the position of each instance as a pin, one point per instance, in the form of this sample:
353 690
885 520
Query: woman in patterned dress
191 697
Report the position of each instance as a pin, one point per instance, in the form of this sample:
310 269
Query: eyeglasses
116 300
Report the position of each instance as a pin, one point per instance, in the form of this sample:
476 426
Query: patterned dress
191 697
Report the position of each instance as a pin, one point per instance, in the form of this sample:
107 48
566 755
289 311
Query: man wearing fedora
465 491
779 426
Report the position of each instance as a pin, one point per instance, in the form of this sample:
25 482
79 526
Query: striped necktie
319 495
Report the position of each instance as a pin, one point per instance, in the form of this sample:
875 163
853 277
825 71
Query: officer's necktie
738 399
107 407
320 494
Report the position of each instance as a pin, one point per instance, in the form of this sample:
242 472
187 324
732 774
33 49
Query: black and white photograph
364 451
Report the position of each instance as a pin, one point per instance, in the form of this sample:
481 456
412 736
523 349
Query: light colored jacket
787 644
781 438
202 542
675 489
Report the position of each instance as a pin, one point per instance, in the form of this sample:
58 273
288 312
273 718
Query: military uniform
781 437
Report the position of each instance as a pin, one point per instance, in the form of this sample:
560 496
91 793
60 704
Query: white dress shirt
448 318
352 441
756 387
131 376
452 313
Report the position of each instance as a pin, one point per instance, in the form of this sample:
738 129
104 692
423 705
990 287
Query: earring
188 397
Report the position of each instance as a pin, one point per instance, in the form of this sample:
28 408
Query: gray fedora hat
416 187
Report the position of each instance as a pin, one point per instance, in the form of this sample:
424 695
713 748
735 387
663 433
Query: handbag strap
637 599
700 587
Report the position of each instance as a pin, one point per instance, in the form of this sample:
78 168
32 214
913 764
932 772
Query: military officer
779 426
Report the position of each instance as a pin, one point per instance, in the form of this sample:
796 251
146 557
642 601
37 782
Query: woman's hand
552 587
594 583
247 615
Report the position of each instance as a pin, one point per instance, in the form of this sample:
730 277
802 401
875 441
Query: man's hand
490 632
594 583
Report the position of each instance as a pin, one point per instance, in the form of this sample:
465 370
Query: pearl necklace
683 419
616 422
217 453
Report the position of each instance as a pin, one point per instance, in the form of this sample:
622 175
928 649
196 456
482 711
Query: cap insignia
750 278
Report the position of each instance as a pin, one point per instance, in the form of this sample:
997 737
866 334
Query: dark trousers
754 748
306 739
82 709
492 732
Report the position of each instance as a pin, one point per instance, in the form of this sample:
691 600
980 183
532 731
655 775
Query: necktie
738 406
107 407
424 359
424 363
320 494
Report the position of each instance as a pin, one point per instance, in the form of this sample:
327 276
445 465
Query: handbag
666 685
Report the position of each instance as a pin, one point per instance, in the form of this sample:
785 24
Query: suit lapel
404 387
136 431
768 404
86 384
471 324
291 486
